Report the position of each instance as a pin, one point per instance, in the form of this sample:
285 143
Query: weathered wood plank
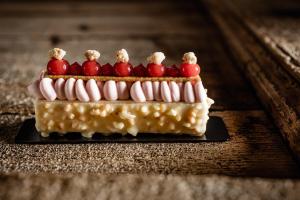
276 25
251 151
278 91
92 186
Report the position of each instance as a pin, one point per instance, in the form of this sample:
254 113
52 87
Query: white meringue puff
148 90
47 89
175 91
59 87
165 92
93 90
123 92
34 89
70 89
110 90
137 93
80 91
189 95
156 90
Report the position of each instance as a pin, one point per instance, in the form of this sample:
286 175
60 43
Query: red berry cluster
93 68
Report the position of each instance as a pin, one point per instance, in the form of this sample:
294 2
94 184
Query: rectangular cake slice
91 98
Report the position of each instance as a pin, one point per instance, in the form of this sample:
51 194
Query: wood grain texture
171 187
277 89
250 152
276 26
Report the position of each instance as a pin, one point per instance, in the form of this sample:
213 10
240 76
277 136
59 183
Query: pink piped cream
127 104
89 91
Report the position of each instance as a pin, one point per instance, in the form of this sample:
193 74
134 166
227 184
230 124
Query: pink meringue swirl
93 91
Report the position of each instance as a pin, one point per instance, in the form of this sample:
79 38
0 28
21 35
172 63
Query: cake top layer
58 67
127 78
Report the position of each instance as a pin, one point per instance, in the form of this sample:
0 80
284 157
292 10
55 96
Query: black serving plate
216 132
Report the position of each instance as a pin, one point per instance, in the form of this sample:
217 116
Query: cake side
124 117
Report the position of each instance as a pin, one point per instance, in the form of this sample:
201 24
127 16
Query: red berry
57 67
172 71
188 70
91 68
107 70
122 69
155 70
140 71
75 69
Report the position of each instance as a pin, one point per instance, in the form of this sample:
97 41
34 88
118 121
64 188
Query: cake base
216 132
124 117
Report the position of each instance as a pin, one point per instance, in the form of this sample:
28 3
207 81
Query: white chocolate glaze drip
93 91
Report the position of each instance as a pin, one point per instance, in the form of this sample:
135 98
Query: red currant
107 70
140 71
122 69
91 68
75 69
188 70
172 71
57 67
155 70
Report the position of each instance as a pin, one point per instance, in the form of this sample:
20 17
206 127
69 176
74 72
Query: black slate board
216 132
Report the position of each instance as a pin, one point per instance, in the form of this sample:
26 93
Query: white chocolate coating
125 117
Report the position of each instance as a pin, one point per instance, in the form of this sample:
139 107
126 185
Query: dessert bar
120 98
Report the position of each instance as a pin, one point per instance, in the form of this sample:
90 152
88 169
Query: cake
120 98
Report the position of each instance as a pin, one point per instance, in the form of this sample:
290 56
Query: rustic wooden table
255 149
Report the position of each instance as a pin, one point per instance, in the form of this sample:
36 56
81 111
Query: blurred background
29 30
